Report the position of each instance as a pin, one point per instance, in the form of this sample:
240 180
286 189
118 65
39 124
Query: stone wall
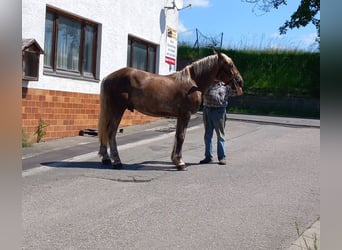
291 105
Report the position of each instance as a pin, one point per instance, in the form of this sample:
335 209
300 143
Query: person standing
215 102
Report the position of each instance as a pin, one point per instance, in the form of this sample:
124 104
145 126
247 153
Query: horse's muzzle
236 84
239 86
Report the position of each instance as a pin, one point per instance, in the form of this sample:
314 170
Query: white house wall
146 20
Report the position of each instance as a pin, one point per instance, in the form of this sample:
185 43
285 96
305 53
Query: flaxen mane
201 66
182 76
204 65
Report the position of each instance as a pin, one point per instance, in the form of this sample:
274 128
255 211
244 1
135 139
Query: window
70 45
141 55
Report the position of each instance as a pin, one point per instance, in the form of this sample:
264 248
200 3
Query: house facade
70 46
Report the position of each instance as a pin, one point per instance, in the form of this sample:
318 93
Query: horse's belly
158 110
165 103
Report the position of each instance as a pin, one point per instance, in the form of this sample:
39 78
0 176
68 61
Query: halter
233 79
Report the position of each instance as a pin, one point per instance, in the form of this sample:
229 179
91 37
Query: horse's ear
218 53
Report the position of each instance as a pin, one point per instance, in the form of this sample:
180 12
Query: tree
306 13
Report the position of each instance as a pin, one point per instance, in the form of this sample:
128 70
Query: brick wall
65 113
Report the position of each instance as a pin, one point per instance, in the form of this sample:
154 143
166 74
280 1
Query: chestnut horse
175 95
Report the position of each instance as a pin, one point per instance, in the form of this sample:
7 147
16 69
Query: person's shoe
206 161
222 162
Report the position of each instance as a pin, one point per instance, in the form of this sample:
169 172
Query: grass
41 130
25 142
306 244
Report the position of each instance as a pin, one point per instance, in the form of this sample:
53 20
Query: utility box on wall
31 52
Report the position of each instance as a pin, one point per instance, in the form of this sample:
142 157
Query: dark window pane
68 45
48 42
129 53
30 65
151 59
88 49
139 56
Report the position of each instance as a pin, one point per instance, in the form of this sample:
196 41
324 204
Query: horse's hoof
117 165
181 167
106 161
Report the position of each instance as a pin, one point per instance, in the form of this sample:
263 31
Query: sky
242 27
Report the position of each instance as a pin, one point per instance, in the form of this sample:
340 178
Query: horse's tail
105 117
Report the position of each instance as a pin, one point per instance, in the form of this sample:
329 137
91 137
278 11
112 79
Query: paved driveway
270 182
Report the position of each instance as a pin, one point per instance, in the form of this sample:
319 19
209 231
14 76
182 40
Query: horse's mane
200 66
204 65
183 75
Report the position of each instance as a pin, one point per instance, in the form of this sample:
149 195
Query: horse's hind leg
104 153
176 156
112 130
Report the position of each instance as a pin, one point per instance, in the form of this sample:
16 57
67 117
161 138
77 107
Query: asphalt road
270 182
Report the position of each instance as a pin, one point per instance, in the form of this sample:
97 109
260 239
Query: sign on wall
171 46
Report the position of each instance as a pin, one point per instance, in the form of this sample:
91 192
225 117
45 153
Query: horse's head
228 73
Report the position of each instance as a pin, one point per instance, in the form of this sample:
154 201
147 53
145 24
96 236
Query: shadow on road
145 166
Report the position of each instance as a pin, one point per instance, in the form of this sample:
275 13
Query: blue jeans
214 119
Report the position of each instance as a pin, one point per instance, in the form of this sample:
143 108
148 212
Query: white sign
171 46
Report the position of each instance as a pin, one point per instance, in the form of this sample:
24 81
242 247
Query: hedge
269 72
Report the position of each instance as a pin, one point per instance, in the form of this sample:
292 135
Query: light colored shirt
217 95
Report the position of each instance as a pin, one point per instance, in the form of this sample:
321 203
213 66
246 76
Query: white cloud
309 38
197 3
276 36
181 27
183 30
298 41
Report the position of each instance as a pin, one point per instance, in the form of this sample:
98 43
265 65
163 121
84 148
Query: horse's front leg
176 156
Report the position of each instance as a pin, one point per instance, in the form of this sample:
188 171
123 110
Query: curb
276 120
44 147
